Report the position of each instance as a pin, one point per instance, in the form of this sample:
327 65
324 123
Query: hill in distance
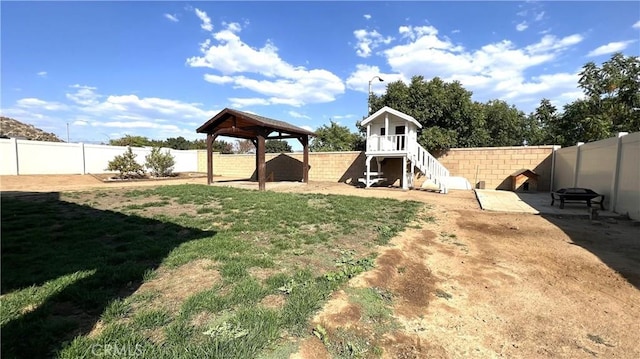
10 128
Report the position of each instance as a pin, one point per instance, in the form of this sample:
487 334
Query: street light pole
369 93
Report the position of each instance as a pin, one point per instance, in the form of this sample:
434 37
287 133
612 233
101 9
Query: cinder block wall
491 164
323 166
494 165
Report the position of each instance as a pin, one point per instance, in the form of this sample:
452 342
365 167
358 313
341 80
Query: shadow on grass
68 262
615 242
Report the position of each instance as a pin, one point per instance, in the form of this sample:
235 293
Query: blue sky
161 69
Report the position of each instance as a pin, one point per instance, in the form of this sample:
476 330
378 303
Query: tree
126 165
613 95
178 143
545 118
335 138
244 146
445 110
277 146
160 164
222 147
579 124
218 146
133 141
504 123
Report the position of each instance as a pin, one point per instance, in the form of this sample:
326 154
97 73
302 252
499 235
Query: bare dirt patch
311 347
487 284
176 285
338 312
273 301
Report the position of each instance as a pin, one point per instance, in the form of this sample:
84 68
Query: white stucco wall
565 166
40 157
597 165
610 167
628 191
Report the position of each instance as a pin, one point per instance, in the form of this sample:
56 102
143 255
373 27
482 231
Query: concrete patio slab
534 203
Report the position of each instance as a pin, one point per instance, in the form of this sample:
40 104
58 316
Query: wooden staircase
428 166
416 158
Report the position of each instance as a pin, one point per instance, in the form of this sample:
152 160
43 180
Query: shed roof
235 123
392 112
524 171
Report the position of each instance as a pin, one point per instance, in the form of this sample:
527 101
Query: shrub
160 164
126 165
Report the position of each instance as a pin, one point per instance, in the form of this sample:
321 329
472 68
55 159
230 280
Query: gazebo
258 129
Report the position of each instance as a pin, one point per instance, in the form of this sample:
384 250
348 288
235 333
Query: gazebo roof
234 123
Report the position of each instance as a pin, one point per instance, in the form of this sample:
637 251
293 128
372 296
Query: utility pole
369 93
67 132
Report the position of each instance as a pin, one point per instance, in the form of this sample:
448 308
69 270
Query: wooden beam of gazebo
258 129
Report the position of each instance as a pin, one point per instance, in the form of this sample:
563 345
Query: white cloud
367 16
206 20
359 79
493 70
636 25
219 80
84 95
243 102
539 16
343 117
610 48
369 40
308 128
136 124
455 31
522 26
541 84
42 74
34 103
551 44
172 18
152 117
295 114
262 71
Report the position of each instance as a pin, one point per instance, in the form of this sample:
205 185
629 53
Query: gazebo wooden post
210 138
255 144
262 166
305 158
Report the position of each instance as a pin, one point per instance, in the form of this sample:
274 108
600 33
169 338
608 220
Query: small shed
524 180
258 129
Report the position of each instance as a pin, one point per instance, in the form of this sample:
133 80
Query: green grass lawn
102 273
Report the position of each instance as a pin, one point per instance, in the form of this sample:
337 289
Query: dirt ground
470 283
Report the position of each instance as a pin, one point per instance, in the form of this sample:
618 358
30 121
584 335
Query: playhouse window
382 131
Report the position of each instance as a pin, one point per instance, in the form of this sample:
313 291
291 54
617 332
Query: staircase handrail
429 165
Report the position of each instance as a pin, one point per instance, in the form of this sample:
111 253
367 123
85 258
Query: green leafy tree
133 141
179 143
277 146
160 164
545 118
445 110
613 96
222 147
126 165
504 123
336 138
581 123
